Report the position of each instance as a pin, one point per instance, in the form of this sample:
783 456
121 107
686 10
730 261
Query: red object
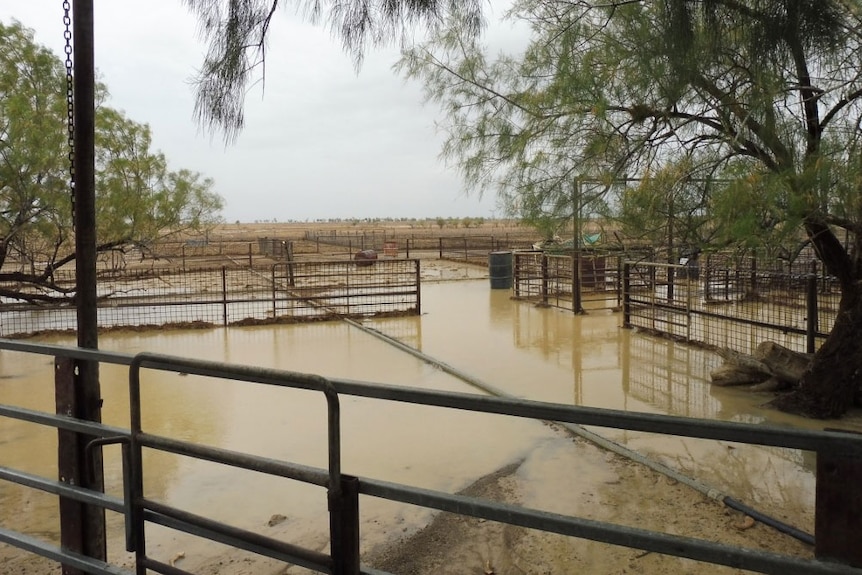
365 257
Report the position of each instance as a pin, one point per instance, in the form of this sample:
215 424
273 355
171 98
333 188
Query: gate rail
729 308
837 513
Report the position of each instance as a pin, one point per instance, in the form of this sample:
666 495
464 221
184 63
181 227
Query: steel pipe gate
839 452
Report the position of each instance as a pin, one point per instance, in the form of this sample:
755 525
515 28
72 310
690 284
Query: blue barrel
500 270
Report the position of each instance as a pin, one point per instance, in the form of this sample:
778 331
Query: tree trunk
828 386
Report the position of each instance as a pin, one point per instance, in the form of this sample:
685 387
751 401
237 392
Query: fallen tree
772 367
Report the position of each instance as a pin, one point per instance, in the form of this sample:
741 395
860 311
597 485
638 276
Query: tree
666 209
139 198
761 98
236 31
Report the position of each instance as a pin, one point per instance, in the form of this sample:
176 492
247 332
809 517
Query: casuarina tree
759 99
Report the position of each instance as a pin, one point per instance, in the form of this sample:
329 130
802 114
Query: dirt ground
574 478
564 475
626 494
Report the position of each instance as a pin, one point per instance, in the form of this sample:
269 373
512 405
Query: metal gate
838 504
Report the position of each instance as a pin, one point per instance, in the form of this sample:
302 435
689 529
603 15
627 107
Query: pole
88 394
577 302
811 320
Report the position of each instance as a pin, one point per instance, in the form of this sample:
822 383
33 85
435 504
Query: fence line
466 248
838 456
733 308
279 293
713 305
586 280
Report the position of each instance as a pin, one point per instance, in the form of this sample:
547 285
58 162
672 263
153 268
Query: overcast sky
321 141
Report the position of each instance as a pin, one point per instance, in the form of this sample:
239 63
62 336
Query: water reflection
538 353
550 354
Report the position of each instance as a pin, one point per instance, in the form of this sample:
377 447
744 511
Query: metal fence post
811 319
440 243
544 279
577 303
838 508
344 527
418 288
627 304
619 282
670 283
70 463
707 279
291 272
688 316
224 294
516 274
347 288
272 274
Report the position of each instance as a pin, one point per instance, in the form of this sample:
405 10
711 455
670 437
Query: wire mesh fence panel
736 308
353 240
424 241
590 280
298 291
346 288
473 249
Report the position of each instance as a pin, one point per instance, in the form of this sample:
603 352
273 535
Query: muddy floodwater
529 352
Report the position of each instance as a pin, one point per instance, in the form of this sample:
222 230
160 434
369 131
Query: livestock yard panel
736 308
280 293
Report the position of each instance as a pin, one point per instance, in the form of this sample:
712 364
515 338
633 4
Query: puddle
529 352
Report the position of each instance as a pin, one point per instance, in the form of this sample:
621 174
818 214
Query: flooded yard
529 352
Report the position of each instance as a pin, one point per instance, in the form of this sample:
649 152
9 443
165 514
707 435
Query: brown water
535 353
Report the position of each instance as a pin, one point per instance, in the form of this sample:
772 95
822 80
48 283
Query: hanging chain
70 103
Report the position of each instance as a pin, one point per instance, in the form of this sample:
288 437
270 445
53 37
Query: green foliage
237 31
138 198
33 170
739 120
